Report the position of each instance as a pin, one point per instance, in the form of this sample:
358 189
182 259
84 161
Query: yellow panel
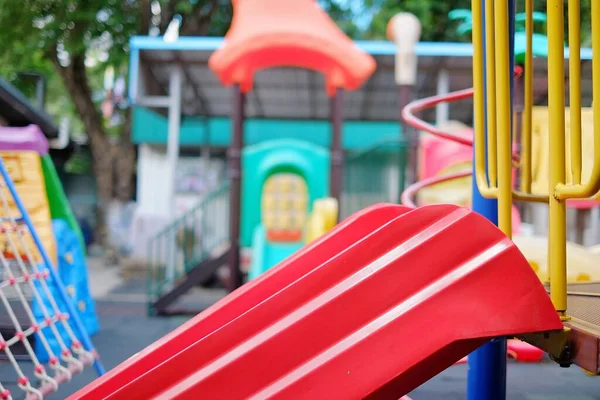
25 169
582 263
455 191
540 157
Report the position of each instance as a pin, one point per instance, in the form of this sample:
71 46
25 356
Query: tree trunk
125 164
113 165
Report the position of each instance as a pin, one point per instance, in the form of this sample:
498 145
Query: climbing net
34 330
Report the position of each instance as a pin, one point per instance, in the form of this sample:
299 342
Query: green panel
367 177
266 255
284 155
150 127
57 199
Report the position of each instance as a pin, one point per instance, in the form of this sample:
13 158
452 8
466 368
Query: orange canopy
288 33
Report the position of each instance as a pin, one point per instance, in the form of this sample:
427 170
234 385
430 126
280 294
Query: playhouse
282 180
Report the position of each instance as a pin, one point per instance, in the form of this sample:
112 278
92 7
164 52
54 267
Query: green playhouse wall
262 160
57 199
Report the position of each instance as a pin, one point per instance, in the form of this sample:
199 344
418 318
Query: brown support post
405 96
235 175
337 154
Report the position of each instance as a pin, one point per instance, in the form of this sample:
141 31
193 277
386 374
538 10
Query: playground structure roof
18 111
265 34
293 93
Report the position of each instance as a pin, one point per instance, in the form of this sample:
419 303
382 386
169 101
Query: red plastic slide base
381 304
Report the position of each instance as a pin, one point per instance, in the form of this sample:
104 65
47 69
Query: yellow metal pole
528 100
478 103
557 254
595 11
575 89
492 154
503 114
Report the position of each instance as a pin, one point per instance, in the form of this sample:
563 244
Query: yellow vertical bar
575 88
557 240
503 115
595 18
478 100
490 61
528 101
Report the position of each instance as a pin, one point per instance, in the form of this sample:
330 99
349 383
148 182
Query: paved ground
125 329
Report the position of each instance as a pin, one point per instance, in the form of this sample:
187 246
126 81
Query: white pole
442 110
173 134
172 155
404 29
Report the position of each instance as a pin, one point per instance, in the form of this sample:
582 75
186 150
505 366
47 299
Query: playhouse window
284 206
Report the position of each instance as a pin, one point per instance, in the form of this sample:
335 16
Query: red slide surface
382 303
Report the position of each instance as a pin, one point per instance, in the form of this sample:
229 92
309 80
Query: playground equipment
371 263
51 330
355 266
440 157
493 76
281 181
25 155
286 41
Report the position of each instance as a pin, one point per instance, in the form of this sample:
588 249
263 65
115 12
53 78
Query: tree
433 14
72 42
59 38
437 26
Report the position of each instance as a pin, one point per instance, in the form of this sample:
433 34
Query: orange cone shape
288 33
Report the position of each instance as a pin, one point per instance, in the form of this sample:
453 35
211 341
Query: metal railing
496 109
374 175
192 238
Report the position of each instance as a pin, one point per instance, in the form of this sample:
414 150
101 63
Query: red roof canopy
288 33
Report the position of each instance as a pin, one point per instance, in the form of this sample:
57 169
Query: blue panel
73 273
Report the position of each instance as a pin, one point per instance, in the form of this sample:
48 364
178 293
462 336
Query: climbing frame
48 343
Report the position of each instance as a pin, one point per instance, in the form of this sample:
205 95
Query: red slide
382 303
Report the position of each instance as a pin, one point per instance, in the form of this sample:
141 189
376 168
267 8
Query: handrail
185 242
562 190
409 116
202 203
407 198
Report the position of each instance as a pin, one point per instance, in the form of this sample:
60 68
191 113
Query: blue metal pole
73 315
486 376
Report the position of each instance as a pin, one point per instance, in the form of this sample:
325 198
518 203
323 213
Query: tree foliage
438 26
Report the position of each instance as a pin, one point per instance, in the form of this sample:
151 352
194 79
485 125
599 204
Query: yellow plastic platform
583 264
25 169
